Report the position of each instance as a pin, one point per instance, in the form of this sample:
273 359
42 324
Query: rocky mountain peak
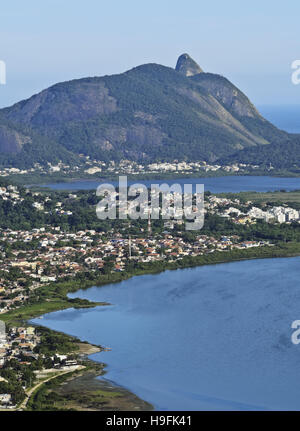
187 66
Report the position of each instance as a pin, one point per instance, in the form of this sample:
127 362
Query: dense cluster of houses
18 343
59 254
12 194
89 166
131 167
52 254
198 166
248 213
279 214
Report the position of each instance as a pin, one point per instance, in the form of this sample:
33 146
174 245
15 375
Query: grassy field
14 317
278 197
81 390
30 311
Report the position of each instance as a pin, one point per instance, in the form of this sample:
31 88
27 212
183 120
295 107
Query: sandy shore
87 349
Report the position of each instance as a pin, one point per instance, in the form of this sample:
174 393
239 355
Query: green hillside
149 113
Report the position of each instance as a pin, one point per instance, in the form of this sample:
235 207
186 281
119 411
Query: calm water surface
208 338
229 184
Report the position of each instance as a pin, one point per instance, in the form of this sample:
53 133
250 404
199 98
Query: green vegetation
149 113
22 147
275 198
282 156
20 375
54 342
82 392
53 297
13 386
43 306
42 399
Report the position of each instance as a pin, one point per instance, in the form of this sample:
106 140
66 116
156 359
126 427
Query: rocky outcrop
11 141
187 66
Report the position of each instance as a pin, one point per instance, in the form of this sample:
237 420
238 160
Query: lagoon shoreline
142 299
89 349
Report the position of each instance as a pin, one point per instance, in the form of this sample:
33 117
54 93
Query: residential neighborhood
21 361
88 167
33 260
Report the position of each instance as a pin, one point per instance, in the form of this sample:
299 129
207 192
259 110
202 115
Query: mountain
21 147
283 156
148 113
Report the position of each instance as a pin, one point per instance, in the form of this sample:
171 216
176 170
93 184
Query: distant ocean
285 117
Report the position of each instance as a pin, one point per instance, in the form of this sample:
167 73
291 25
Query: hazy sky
251 43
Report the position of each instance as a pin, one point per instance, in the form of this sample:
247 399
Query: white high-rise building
2 333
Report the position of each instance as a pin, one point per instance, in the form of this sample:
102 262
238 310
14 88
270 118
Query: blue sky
251 43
